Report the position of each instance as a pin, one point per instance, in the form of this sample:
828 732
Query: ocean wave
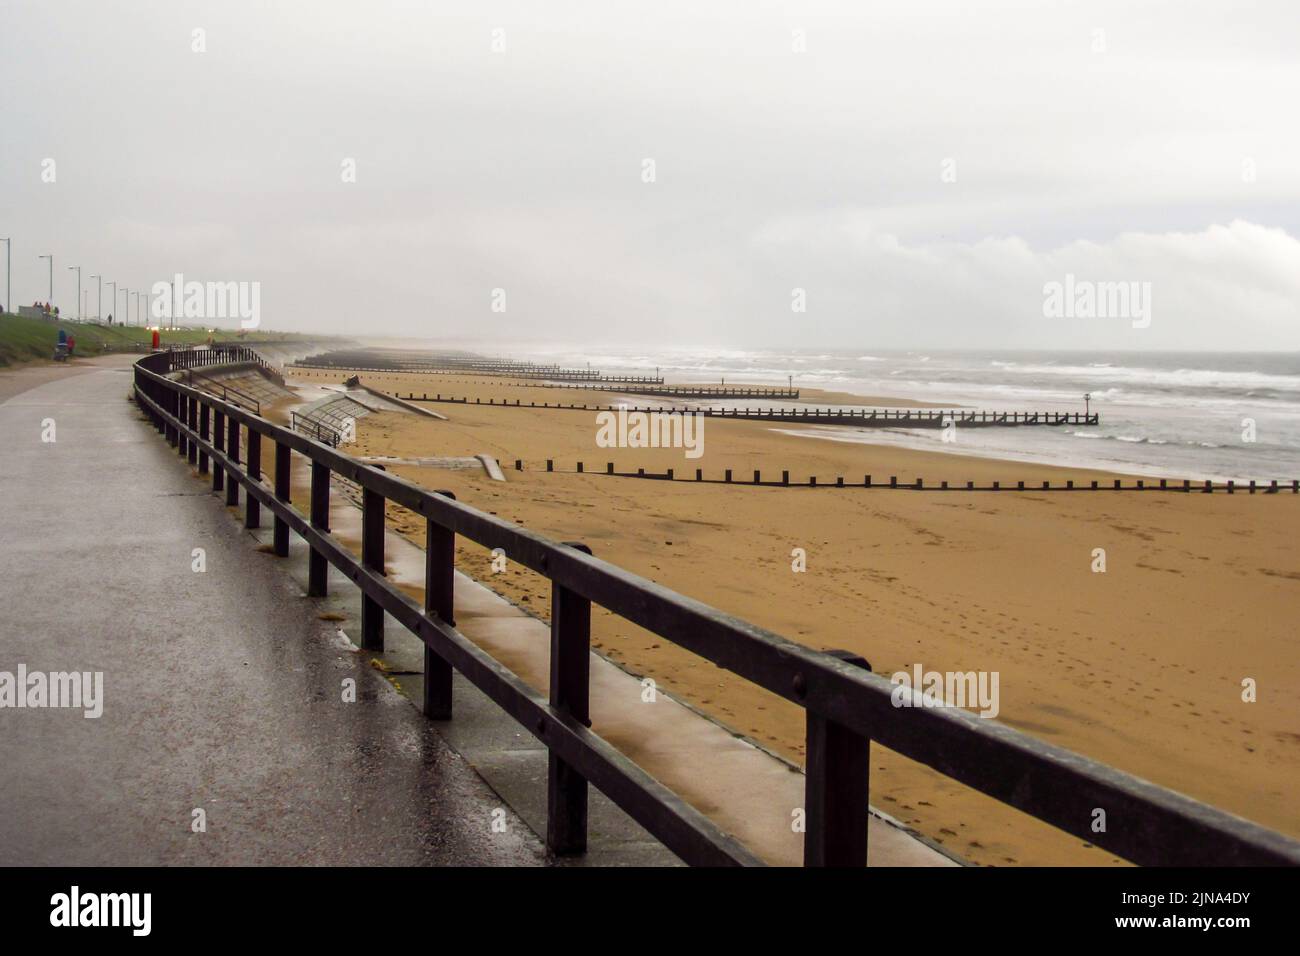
1143 440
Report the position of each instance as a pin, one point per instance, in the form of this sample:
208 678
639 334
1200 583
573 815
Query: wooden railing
847 707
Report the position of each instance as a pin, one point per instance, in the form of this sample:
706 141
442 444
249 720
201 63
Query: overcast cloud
1171 155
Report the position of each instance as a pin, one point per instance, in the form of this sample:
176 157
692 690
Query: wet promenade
222 689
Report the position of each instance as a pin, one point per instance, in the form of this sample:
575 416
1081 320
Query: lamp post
50 256
113 299
99 297
9 286
78 271
126 297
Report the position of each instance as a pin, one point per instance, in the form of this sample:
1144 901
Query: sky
713 174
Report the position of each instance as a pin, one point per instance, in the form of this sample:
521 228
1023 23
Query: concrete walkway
223 691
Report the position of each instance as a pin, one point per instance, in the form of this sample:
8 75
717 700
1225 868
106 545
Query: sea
1224 415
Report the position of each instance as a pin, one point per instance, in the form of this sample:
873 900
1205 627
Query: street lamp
113 300
78 270
9 288
50 256
99 299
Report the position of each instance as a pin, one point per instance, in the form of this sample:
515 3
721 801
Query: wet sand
1140 667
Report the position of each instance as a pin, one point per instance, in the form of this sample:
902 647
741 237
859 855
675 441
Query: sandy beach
1139 667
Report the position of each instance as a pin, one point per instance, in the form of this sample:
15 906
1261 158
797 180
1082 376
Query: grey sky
775 170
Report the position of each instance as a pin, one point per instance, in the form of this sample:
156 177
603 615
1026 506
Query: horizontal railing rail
847 707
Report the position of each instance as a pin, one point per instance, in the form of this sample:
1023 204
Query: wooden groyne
861 417
729 476
681 391
366 361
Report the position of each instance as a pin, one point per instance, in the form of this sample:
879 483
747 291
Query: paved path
223 690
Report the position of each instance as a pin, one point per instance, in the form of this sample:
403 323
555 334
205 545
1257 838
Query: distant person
156 339
110 318
63 336
72 343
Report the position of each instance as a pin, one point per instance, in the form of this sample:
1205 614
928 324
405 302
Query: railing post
253 507
282 493
440 602
191 447
181 412
566 789
219 441
317 566
232 452
173 437
836 789
205 433
372 557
